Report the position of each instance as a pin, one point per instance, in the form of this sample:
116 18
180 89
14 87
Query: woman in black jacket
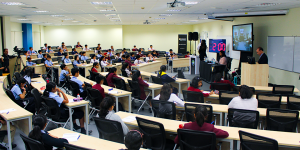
202 50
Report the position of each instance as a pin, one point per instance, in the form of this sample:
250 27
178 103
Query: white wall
16 34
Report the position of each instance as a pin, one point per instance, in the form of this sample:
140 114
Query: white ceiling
129 11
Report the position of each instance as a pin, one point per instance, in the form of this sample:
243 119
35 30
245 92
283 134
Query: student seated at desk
64 48
125 67
65 71
109 77
154 54
199 124
76 62
196 84
132 57
29 62
95 67
86 48
187 55
3 127
50 91
149 58
66 59
245 100
140 54
93 60
49 50
74 51
122 59
78 45
19 93
122 53
103 62
44 58
110 53
83 56
128 62
125 51
167 95
117 56
99 54
107 111
223 60
60 52
49 65
75 74
218 79
45 47
40 55
138 60
38 133
165 78
31 51
134 48
80 54
133 140
99 80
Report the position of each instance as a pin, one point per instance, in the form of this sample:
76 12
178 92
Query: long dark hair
136 75
125 65
112 70
29 72
95 64
223 54
101 58
76 58
39 123
203 44
165 92
195 82
106 103
200 114
245 92
218 77
49 87
163 68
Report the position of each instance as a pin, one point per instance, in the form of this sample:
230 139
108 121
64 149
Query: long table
179 62
268 89
150 67
284 139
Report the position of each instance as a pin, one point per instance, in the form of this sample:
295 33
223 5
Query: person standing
5 61
263 58
202 50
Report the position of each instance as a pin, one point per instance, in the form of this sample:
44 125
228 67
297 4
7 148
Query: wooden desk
162 60
21 117
89 141
83 105
149 67
180 62
117 65
285 139
268 89
86 68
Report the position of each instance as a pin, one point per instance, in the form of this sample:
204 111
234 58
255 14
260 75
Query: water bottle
213 60
78 97
235 80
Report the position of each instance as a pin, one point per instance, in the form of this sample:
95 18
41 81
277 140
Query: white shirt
138 61
103 63
92 61
86 49
239 103
173 98
151 49
198 47
148 58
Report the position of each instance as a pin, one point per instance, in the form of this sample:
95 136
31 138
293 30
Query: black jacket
50 141
263 59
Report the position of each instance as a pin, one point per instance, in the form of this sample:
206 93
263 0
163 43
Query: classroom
149 74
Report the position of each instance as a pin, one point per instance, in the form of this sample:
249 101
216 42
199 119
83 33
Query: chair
154 134
243 118
31 144
282 119
268 100
190 108
109 129
88 61
54 59
40 105
12 97
124 74
39 61
283 89
93 75
220 86
255 142
119 83
74 147
293 102
74 88
95 98
191 96
180 73
236 88
16 76
70 57
163 109
156 80
226 96
3 133
190 140
136 93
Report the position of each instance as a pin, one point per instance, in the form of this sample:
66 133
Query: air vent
28 8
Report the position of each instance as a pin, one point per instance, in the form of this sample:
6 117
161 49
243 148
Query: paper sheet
206 92
71 137
71 100
7 110
150 84
129 119
113 92
35 82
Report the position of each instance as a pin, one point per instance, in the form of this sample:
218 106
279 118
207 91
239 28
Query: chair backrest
293 102
191 96
119 83
268 100
229 60
10 95
124 74
32 144
109 129
39 61
163 109
38 99
16 76
91 55
189 140
180 74
255 142
190 111
94 96
70 57
243 118
93 75
236 88
226 96
156 80
3 133
135 90
220 86
74 147
54 59
154 134
282 119
53 110
74 88
283 89
88 61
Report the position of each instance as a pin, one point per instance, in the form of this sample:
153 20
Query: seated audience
140 54
218 79
83 56
138 60
154 54
128 62
122 59
134 140
223 60
167 95
29 62
40 55
187 55
196 84
245 100
65 71
93 60
165 78
99 80
95 67
66 59
74 51
75 74
109 77
132 57
99 54
60 52
125 67
134 48
103 62
76 62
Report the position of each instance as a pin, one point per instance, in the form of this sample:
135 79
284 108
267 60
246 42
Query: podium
255 74
194 64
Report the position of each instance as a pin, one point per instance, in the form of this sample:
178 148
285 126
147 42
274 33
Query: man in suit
263 58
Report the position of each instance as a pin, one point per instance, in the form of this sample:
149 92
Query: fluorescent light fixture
165 15
48 23
193 20
76 21
12 3
68 19
160 18
57 15
203 18
191 3
173 10
268 4
185 22
35 22
257 13
107 10
114 18
243 9
101 3
110 14
41 11
23 19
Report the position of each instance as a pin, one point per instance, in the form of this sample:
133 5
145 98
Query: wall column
7 34
27 36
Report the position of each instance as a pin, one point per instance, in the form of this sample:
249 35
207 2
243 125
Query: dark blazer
50 141
263 59
166 79
142 84
109 79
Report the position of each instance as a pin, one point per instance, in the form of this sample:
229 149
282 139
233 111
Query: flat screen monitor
242 37
251 60
217 45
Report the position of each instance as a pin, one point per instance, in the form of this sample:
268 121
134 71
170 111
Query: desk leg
87 119
225 119
238 145
153 93
71 119
52 74
85 72
231 144
29 123
117 104
180 96
8 135
129 102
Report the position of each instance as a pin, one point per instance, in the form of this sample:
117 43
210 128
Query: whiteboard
280 52
297 55
232 54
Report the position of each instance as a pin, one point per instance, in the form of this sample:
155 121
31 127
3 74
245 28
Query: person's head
133 140
76 58
200 115
99 52
218 77
123 57
83 53
45 44
45 55
128 57
29 59
29 72
78 43
113 70
136 75
94 57
132 54
188 53
106 105
40 52
48 57
154 52
62 43
245 92
74 49
222 54
102 58
50 87
165 92
171 51
99 79
75 72
149 55
125 65
21 82
196 82
30 48
163 68
118 54
203 42
259 50
67 55
112 47
140 51
134 46
5 51
138 57
63 67
85 46
39 123
98 44
60 50
96 65
49 47
123 51
151 46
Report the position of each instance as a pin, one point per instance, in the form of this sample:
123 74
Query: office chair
243 118
190 108
136 94
255 142
109 129
283 89
282 119
293 102
220 86
164 109
191 96
95 98
31 144
226 96
268 100
74 147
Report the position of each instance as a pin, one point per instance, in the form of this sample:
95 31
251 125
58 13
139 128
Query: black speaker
195 36
190 37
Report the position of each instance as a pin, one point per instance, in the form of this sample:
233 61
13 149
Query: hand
24 92
212 92
53 136
91 83
6 69
2 68
58 90
202 91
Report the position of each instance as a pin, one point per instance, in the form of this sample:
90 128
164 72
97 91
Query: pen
7 112
78 137
212 122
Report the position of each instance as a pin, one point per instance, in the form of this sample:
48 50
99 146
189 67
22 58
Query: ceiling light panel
160 18
41 11
57 15
107 10
168 15
12 3
268 4
173 10
191 3
101 3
